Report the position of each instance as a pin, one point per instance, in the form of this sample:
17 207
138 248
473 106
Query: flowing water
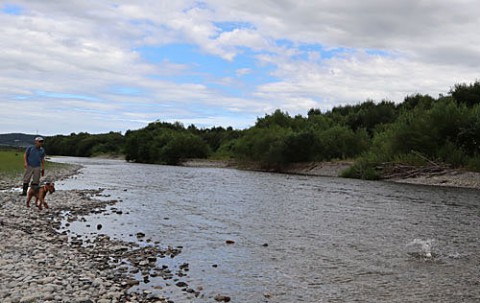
297 238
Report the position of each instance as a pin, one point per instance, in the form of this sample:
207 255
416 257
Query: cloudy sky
99 65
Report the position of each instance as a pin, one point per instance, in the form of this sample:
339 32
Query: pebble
181 284
222 298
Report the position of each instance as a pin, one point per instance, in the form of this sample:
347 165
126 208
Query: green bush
452 154
183 146
363 168
264 145
301 147
412 158
473 164
340 142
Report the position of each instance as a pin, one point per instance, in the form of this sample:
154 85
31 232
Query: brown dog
39 193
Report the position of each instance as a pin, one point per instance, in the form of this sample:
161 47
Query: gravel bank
42 261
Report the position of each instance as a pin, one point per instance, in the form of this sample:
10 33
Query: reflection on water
297 238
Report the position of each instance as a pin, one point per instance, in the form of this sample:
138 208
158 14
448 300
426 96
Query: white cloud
386 50
243 71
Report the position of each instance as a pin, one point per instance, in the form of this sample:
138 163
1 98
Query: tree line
418 130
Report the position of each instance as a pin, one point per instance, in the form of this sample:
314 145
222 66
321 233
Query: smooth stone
181 284
222 298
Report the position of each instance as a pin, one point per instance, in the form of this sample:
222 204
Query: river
296 238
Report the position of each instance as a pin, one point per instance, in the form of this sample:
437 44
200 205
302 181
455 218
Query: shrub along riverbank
420 131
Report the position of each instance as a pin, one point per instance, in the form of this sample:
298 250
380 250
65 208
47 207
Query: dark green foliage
301 146
445 132
469 132
216 136
184 146
164 143
420 101
263 145
468 95
417 131
340 142
278 139
367 115
278 118
473 164
85 145
427 131
364 168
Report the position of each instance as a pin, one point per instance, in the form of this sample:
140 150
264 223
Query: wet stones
40 264
130 282
181 284
222 298
43 261
152 259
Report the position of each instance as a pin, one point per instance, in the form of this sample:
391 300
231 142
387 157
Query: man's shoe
25 188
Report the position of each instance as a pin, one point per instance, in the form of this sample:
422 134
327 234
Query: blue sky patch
65 96
242 72
12 9
379 52
127 91
231 26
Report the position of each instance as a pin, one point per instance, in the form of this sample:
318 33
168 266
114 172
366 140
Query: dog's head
50 187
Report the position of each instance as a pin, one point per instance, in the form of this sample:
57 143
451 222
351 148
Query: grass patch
11 163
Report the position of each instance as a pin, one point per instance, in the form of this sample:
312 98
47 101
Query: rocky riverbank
42 261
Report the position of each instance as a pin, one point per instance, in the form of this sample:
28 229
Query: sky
98 66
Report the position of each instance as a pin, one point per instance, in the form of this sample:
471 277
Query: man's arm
43 166
25 162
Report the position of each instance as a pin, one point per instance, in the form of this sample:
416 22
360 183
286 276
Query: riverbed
264 237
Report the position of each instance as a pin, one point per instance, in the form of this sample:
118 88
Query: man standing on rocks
34 163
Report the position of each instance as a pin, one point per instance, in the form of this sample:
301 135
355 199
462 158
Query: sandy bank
452 178
449 177
329 169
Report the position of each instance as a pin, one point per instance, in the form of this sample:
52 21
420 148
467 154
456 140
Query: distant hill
17 139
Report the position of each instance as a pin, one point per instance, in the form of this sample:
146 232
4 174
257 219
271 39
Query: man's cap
38 139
